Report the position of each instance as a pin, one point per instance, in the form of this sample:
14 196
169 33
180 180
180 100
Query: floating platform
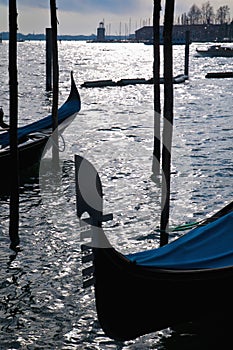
219 75
123 82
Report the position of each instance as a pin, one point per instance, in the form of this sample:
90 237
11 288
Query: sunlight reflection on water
42 301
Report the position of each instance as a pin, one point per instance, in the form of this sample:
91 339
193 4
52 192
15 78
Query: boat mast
156 80
13 87
167 121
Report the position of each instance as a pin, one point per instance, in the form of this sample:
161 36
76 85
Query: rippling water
42 302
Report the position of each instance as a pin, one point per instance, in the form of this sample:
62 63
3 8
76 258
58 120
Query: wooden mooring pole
187 43
13 86
167 121
49 59
55 150
156 80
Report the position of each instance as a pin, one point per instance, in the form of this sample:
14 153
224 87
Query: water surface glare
42 302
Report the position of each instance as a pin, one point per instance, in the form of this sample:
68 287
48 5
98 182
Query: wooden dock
181 78
219 75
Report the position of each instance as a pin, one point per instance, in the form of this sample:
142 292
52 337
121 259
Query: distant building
144 34
101 32
198 32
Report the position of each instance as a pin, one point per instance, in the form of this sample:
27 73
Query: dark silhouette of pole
13 86
49 58
55 151
156 79
167 120
187 43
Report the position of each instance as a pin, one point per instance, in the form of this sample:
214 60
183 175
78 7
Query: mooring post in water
156 80
55 150
49 59
187 43
14 162
167 121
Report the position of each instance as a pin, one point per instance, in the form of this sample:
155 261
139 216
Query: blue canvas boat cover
66 110
209 246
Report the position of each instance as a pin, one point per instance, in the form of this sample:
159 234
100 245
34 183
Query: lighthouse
101 32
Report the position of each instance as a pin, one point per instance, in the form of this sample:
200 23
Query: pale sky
83 16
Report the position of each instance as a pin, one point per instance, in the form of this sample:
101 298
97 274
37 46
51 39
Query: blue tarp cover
209 246
66 110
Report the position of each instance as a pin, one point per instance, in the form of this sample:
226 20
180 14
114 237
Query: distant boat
216 51
32 139
148 42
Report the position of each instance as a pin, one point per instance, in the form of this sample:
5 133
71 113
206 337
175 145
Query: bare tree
205 15
194 14
223 14
207 12
184 19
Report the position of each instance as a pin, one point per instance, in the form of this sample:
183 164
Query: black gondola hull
134 300
32 140
29 157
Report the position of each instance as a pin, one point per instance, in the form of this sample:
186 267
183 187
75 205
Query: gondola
186 280
32 138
